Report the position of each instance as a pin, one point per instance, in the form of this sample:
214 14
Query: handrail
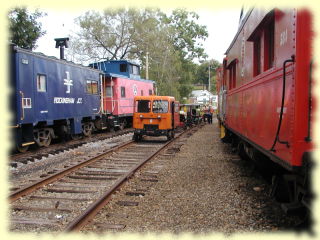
276 139
22 96
112 106
101 94
308 138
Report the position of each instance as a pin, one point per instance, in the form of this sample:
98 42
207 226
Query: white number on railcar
283 37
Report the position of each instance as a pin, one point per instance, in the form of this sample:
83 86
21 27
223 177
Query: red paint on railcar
252 83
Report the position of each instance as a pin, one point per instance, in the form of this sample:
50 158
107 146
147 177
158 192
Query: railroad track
31 156
68 199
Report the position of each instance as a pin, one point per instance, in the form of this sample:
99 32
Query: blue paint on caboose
49 89
119 68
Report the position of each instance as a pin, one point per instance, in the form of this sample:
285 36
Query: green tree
187 40
130 34
153 38
169 43
187 73
203 74
25 30
119 34
187 34
107 35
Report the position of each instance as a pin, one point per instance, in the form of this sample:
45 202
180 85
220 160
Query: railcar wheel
280 189
22 149
98 124
136 137
121 126
172 134
87 129
169 135
43 137
46 140
62 132
241 151
75 136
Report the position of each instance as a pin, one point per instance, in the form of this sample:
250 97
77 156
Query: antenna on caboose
241 14
61 42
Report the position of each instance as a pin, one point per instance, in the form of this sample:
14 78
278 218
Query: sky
61 23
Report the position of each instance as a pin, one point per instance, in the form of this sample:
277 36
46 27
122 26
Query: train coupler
292 207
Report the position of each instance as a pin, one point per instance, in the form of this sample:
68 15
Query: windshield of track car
143 106
160 106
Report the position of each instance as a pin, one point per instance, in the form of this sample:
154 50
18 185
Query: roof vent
61 42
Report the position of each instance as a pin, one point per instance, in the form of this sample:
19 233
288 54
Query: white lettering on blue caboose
68 82
63 100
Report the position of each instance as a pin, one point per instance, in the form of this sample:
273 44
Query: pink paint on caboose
120 83
119 101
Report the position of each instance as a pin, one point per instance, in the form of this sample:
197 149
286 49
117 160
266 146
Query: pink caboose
120 83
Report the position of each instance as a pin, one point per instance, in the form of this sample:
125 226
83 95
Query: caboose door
24 88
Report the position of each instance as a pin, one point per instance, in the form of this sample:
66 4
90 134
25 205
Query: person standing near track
210 110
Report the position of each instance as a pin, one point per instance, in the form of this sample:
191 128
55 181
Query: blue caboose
52 98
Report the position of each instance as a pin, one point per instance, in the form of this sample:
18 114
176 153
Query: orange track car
155 116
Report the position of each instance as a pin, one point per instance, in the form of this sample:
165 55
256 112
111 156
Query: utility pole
209 79
147 65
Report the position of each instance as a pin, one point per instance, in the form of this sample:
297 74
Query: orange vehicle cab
155 116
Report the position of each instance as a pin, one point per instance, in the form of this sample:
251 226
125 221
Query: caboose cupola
119 67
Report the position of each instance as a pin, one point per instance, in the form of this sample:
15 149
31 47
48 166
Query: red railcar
265 102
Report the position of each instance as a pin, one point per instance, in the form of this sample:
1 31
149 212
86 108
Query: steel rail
96 206
34 186
60 145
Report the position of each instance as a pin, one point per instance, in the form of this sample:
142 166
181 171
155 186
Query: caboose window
263 44
256 57
123 67
26 103
141 92
109 91
135 70
89 90
269 44
123 92
41 83
92 87
150 92
160 106
232 74
143 106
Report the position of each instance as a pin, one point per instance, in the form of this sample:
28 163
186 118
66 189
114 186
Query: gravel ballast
203 188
